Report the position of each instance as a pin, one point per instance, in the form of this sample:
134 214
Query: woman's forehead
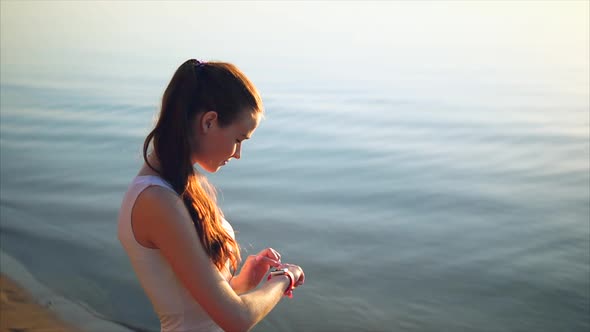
248 122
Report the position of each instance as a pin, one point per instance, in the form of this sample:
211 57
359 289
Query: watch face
279 272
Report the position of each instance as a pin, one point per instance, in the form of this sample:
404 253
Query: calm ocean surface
431 201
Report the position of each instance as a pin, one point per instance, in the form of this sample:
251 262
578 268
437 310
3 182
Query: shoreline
29 299
21 312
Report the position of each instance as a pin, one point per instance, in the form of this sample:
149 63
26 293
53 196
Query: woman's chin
211 170
208 168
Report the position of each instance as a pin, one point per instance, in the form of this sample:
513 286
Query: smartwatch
284 271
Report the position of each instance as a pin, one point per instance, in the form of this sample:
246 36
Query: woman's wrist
287 275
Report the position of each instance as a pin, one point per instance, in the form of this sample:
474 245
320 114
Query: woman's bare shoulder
156 208
158 195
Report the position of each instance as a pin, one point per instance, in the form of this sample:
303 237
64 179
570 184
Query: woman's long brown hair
194 88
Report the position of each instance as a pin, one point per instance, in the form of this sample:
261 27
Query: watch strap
289 290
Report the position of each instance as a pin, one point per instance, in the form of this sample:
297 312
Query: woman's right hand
297 273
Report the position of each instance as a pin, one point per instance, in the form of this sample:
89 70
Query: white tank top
172 302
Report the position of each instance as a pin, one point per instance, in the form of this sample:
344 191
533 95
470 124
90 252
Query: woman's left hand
255 268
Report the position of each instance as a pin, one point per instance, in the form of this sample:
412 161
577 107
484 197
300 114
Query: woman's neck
155 166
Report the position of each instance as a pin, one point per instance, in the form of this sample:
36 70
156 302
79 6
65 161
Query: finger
275 253
272 262
268 260
270 252
301 279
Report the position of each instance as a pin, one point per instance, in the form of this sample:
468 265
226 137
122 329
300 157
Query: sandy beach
19 312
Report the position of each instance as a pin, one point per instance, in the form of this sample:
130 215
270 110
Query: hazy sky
300 34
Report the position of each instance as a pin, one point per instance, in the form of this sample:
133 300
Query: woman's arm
162 216
239 284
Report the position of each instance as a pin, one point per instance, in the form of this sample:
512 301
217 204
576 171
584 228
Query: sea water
426 199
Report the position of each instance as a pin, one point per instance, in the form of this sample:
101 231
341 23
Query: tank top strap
150 180
125 229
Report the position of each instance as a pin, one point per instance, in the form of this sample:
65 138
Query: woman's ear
208 120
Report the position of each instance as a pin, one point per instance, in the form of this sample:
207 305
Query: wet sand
19 312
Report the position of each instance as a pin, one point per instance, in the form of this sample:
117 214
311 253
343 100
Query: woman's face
217 145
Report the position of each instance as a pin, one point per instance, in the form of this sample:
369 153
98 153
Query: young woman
183 251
